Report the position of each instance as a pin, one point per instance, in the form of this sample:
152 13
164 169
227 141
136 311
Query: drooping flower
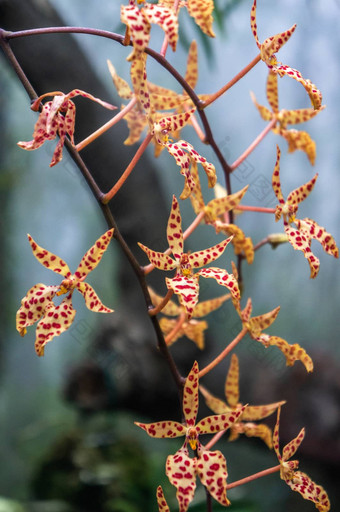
298 481
252 413
296 139
185 283
307 229
216 213
255 325
38 305
192 328
209 466
57 117
271 46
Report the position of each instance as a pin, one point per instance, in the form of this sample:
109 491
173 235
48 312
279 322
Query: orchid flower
298 481
200 10
252 413
296 139
255 325
185 283
210 467
192 329
57 117
38 305
307 229
271 46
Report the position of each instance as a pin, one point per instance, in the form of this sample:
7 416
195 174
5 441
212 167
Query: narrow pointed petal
259 430
274 43
57 319
200 258
93 256
245 314
159 259
139 81
212 471
231 387
191 74
181 471
300 194
123 88
215 404
190 396
313 230
170 124
40 133
207 306
187 289
291 448
300 140
136 121
165 18
276 438
183 161
174 230
78 92
292 353
309 490
313 92
167 325
162 429
161 501
213 424
259 323
92 300
48 259
195 332
221 205
196 197
301 115
223 278
265 113
201 11
276 184
272 91
33 306
253 24
300 242
258 412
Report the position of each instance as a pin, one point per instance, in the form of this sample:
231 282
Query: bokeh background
67 439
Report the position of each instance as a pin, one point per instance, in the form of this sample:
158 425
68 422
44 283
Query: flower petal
212 471
33 306
170 309
231 387
165 18
213 424
310 228
259 323
190 396
162 429
217 207
276 184
161 501
93 256
123 88
313 92
181 471
223 278
191 74
301 242
300 194
174 230
57 320
292 353
207 306
309 490
300 140
200 258
92 300
187 289
138 25
48 259
259 430
201 11
258 412
291 448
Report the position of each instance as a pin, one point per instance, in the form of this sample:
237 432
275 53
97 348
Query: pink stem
258 209
175 330
255 476
165 300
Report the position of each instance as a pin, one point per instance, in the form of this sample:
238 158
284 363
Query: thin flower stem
255 476
254 144
258 209
232 82
223 354
214 439
176 329
196 222
107 125
155 310
109 195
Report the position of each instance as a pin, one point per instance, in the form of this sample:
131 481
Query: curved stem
109 195
223 354
253 145
255 476
232 82
81 145
181 319
157 309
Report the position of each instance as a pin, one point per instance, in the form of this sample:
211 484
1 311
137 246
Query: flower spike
57 118
38 305
185 283
298 481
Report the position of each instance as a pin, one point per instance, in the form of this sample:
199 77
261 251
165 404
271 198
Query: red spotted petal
300 242
138 25
311 229
57 319
162 429
291 448
181 471
159 259
223 278
300 194
292 353
187 289
231 387
200 258
313 92
33 306
165 18
174 230
190 396
213 424
92 300
191 74
212 471
161 501
276 184
207 306
93 256
309 490
48 259
201 11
